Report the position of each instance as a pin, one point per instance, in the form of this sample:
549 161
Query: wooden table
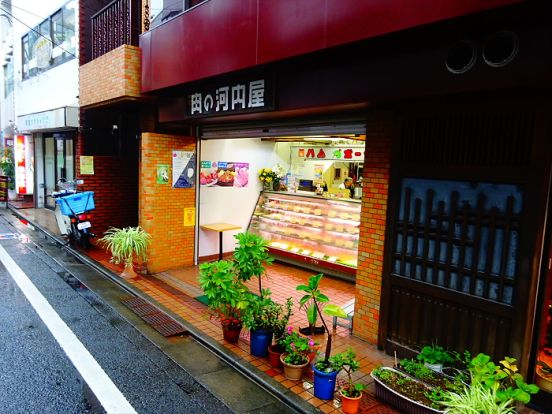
220 227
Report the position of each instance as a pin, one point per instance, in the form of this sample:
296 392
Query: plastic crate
76 203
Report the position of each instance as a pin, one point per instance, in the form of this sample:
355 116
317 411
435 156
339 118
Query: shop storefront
51 156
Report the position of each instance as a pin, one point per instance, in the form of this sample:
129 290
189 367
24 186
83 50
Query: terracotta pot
274 353
128 272
543 382
350 405
231 333
293 372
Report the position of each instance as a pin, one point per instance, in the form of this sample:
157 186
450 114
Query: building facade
452 103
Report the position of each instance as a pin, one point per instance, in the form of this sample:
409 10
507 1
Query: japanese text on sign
240 97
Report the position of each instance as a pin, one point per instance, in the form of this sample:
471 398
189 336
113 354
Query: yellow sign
189 217
87 165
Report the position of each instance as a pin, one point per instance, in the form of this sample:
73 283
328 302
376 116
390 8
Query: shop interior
309 219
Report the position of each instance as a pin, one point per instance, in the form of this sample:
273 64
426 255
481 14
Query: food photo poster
224 174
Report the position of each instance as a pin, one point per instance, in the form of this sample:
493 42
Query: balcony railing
116 24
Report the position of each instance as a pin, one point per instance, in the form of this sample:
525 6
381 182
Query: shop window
459 235
50 43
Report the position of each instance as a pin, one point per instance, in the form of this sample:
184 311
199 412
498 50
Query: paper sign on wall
189 217
224 174
184 166
162 174
86 165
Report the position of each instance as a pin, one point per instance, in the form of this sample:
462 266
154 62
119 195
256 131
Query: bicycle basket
76 203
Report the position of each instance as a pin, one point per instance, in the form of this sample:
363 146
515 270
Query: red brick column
161 207
372 227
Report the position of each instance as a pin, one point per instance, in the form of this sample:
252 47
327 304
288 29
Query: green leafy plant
264 313
347 362
417 370
227 294
435 354
126 244
312 303
251 256
493 388
297 346
7 164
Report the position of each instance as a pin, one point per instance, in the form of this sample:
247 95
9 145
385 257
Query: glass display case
313 231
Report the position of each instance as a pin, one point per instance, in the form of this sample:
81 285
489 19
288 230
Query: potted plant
262 317
125 245
250 257
324 373
279 328
228 296
544 376
296 350
350 392
434 357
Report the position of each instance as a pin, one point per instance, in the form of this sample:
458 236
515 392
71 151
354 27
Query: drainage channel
294 402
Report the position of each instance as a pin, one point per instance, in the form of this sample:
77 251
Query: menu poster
183 172
224 174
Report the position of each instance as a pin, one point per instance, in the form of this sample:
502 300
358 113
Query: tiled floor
177 289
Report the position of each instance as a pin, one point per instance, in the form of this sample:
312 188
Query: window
50 43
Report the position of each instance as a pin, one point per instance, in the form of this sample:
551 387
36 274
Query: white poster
183 169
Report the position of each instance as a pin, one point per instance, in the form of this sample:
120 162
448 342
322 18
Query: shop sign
3 188
56 118
20 165
183 169
248 96
334 153
43 51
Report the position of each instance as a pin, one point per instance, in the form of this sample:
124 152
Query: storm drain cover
158 320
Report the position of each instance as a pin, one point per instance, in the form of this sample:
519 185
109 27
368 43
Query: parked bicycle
71 212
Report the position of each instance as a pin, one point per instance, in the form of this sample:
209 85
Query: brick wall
372 228
111 76
161 207
115 186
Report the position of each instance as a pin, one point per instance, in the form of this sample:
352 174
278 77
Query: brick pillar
161 207
372 227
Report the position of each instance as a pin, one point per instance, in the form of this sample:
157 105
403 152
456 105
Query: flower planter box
399 401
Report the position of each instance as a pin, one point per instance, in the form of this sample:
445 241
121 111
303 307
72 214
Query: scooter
70 212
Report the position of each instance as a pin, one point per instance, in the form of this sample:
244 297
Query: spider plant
126 244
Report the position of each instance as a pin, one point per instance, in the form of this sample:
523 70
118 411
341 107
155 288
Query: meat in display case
316 232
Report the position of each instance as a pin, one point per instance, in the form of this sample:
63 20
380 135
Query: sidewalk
178 291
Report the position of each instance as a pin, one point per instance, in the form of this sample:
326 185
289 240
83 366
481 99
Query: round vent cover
500 48
461 57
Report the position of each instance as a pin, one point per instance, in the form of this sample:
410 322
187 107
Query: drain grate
158 320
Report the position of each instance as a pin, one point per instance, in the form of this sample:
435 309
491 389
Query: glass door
58 163
49 171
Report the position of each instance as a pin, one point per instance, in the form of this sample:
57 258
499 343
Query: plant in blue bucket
263 317
324 371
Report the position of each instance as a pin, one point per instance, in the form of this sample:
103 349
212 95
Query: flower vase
268 186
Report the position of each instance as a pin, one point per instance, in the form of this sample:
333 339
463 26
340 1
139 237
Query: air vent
469 139
461 57
500 49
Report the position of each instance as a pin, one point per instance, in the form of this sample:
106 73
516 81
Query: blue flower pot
259 341
324 384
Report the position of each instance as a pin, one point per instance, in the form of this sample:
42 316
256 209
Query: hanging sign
254 95
183 169
334 153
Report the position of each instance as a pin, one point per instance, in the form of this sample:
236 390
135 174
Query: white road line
112 400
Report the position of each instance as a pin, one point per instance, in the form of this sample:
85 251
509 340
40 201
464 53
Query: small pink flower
311 343
290 329
292 345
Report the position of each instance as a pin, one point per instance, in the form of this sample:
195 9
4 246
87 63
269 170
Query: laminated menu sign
183 169
224 174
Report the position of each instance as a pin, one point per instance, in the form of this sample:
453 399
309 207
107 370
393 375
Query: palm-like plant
250 257
125 245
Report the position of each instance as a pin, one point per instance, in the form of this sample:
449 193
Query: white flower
279 170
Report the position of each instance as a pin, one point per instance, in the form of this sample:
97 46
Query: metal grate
158 320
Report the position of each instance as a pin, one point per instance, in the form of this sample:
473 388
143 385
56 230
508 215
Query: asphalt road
36 376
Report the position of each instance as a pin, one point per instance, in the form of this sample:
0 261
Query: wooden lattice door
458 240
